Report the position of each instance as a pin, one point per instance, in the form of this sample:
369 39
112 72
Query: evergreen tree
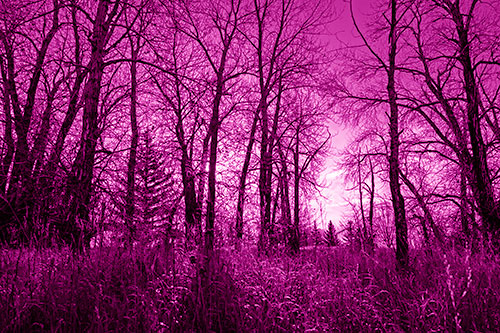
331 238
154 201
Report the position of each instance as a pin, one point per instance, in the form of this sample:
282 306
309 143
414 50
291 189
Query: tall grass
322 289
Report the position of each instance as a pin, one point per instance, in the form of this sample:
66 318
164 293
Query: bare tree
18 184
482 188
280 30
452 105
136 43
79 185
390 67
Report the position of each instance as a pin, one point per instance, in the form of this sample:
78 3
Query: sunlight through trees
183 135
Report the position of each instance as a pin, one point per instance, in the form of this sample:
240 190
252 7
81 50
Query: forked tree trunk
72 110
18 201
77 230
21 169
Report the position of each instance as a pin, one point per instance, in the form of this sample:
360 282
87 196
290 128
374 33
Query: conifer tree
331 238
154 203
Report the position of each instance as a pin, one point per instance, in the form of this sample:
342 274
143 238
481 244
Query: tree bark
77 231
295 228
8 138
402 255
286 214
132 160
242 183
427 219
484 193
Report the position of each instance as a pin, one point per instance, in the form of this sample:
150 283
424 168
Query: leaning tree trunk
242 184
427 218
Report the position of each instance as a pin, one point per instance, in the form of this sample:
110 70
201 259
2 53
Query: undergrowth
322 289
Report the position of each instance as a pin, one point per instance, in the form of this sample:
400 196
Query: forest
249 166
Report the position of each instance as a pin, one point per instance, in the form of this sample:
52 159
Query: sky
333 202
341 29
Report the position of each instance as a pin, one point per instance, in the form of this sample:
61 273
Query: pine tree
331 238
154 202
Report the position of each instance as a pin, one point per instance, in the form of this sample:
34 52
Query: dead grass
321 290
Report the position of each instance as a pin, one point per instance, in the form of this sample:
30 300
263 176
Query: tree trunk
19 195
8 138
361 206
484 193
21 169
295 230
371 208
77 231
264 190
427 219
192 202
202 180
464 216
242 184
132 160
212 169
402 256
70 115
192 215
5 211
286 214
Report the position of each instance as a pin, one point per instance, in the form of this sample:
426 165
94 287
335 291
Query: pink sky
340 32
334 202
